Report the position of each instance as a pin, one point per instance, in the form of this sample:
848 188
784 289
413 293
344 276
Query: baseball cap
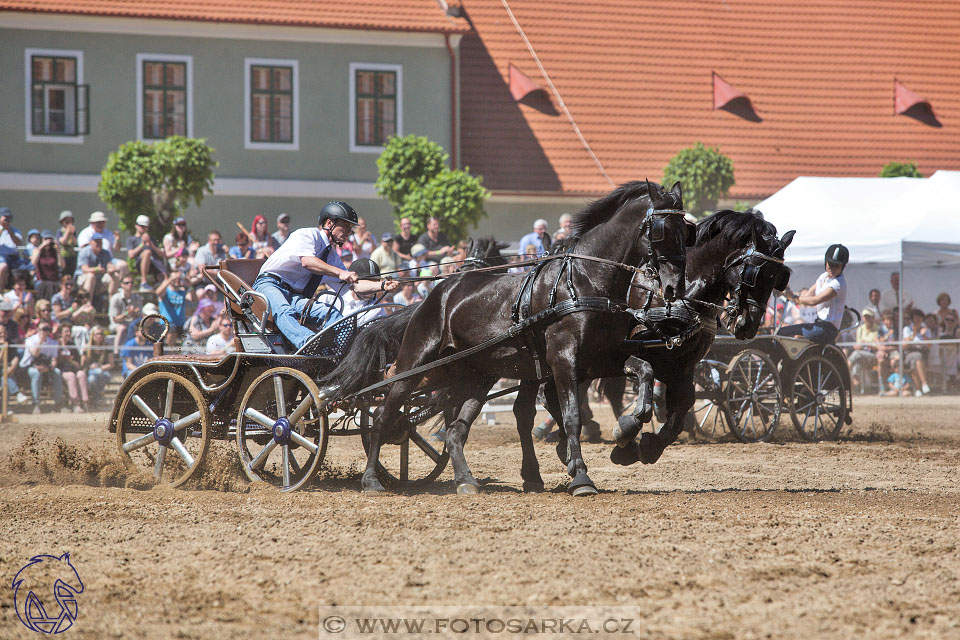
283 216
46 233
150 309
66 213
867 312
418 250
179 220
97 236
98 216
5 211
143 221
386 236
33 232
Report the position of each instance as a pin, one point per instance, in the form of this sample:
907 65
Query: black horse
476 309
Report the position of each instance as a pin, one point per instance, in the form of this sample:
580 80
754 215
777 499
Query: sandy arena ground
854 539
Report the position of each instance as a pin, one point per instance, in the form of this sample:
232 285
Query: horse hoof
467 489
532 487
648 449
371 485
582 485
625 456
626 429
586 490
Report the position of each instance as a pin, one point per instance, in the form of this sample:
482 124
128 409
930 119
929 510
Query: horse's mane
735 227
602 209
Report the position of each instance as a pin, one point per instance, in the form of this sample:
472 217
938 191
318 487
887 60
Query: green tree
414 178
157 180
896 169
705 174
407 164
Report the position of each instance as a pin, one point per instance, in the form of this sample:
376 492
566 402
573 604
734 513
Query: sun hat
150 309
98 216
143 221
418 250
66 213
868 312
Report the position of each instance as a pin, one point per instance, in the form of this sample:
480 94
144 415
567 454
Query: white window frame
28 94
372 66
248 142
163 57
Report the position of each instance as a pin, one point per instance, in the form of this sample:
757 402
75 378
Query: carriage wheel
281 429
163 427
817 399
418 460
753 396
709 411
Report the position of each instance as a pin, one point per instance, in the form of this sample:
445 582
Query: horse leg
628 427
556 412
613 389
590 428
568 393
457 434
680 396
386 413
525 411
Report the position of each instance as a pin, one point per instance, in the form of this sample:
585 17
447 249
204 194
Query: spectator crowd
930 358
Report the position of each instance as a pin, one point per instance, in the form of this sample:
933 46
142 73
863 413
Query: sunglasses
226 325
126 282
43 329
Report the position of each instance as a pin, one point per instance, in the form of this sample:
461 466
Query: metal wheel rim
753 395
817 401
405 464
709 410
291 460
156 397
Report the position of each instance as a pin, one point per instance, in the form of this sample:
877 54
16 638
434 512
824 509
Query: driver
291 275
828 295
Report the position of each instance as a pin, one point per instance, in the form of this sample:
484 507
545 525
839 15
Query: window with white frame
164 96
271 118
376 105
58 101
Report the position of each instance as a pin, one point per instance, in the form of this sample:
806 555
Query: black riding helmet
338 210
837 254
365 267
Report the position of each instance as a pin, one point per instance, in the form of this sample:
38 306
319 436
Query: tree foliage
157 180
414 179
896 169
705 174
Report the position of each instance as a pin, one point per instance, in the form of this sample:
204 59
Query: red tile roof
637 78
399 15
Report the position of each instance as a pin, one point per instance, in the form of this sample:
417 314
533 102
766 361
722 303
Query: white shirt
832 310
109 240
216 344
48 348
353 303
285 261
889 300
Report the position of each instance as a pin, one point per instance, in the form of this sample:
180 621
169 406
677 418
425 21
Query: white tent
889 224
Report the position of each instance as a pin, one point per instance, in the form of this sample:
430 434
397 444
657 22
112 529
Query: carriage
744 387
264 397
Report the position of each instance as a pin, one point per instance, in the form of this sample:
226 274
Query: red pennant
904 98
724 92
521 85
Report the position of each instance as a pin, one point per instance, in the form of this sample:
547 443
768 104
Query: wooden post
3 363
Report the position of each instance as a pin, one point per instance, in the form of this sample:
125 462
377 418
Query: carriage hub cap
821 397
755 397
163 431
281 430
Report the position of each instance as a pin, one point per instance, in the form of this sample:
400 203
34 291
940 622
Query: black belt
277 280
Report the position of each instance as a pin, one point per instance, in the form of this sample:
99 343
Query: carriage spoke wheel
281 429
418 460
163 427
753 396
817 399
709 411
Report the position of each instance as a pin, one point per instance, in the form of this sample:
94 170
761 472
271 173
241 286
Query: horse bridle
654 224
753 262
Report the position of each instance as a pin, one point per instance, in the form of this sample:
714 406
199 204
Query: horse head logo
43 577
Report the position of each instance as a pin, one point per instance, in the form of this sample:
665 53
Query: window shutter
82 106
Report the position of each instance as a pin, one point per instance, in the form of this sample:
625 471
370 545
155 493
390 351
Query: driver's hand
391 285
348 276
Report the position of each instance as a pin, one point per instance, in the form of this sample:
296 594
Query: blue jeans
53 375
12 387
820 332
97 380
286 307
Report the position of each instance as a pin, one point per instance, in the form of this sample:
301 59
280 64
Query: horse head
757 271
668 234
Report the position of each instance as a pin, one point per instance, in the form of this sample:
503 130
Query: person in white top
291 275
354 301
828 295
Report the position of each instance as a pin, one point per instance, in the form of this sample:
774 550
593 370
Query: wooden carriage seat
234 276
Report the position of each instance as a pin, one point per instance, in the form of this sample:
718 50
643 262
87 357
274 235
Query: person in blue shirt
242 250
94 271
10 239
134 353
172 297
539 238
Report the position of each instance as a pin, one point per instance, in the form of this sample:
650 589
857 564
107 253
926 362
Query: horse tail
376 346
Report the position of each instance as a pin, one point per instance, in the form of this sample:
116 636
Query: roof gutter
454 124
